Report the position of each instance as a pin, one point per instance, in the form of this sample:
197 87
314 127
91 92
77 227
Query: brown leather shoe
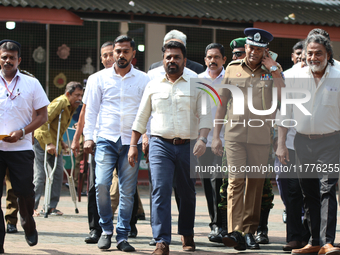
328 249
307 250
161 249
292 245
188 243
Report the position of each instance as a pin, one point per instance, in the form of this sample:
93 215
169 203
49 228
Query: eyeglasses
238 53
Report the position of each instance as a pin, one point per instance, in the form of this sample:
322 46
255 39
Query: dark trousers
318 189
92 210
295 229
211 185
171 163
20 166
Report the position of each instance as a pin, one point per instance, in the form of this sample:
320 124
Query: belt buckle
174 140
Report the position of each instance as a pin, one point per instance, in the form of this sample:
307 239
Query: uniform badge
257 37
238 74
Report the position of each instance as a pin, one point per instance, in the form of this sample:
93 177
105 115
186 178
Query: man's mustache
122 59
8 64
172 64
213 63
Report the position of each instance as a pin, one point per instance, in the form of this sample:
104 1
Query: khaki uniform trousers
245 189
11 215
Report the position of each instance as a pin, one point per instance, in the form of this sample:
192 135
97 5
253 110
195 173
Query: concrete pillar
154 35
123 28
336 50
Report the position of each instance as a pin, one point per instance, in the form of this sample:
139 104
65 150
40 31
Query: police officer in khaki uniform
245 144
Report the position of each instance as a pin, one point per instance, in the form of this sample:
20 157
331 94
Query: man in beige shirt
247 146
177 119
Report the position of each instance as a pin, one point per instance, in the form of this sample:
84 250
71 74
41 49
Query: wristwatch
203 139
273 68
23 134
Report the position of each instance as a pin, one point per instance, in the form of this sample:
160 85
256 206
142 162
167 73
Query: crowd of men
126 112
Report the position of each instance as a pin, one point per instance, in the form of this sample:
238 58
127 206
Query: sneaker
104 242
125 246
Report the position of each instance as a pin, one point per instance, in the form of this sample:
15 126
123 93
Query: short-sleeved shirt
45 136
239 74
16 113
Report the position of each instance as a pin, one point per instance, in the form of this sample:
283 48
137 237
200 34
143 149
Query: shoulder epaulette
27 73
235 62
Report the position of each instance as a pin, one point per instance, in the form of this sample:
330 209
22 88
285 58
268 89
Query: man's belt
175 141
320 136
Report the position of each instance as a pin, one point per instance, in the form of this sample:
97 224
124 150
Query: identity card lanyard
11 93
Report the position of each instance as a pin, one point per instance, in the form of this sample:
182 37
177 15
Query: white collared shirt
91 83
207 79
17 113
324 104
115 100
160 72
175 109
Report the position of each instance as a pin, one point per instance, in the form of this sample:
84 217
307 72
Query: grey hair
175 34
72 85
317 38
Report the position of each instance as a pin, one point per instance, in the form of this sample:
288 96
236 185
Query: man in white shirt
19 96
106 56
176 119
214 60
317 142
115 100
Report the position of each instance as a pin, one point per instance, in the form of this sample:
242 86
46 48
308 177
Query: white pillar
123 28
154 35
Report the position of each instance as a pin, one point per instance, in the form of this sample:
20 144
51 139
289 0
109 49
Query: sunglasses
238 53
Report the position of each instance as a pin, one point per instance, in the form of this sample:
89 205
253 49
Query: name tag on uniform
266 77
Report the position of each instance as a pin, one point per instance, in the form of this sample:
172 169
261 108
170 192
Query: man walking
115 100
317 142
246 145
19 96
176 119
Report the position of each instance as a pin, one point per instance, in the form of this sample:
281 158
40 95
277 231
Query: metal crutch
49 174
70 176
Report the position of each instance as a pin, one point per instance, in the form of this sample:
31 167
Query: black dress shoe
133 232
11 228
152 242
32 239
217 238
234 239
125 246
262 237
250 242
92 238
104 242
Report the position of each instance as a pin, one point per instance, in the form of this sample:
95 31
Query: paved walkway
65 234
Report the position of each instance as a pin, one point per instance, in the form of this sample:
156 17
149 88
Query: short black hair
215 46
11 46
125 38
298 46
72 86
319 31
318 38
174 45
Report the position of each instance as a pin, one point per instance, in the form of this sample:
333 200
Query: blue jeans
108 156
168 161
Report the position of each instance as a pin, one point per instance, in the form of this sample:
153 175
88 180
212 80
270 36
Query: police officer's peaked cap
12 41
238 43
258 37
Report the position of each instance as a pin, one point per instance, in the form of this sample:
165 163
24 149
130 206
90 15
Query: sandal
55 212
